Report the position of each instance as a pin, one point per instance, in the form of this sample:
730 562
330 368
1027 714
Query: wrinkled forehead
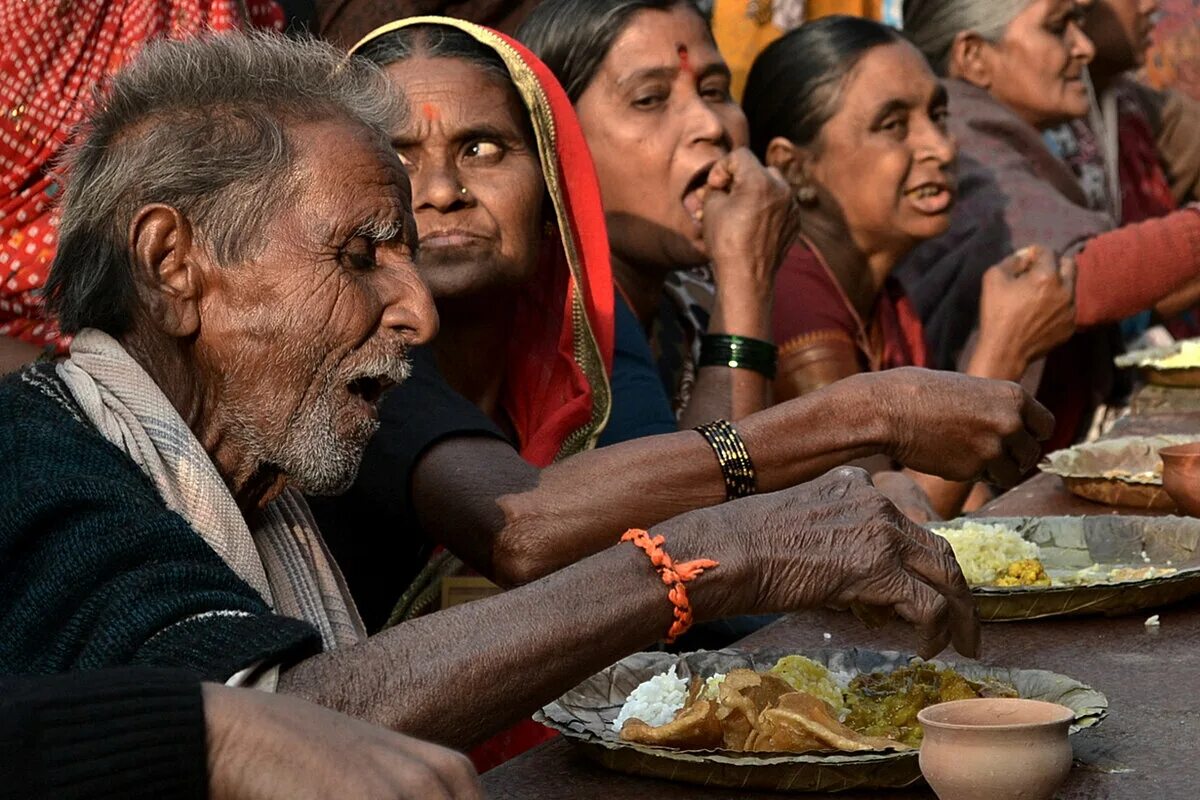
450 92
347 172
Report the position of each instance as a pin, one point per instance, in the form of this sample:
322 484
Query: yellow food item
1187 357
1025 572
805 675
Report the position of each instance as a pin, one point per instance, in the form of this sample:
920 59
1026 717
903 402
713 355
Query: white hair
931 25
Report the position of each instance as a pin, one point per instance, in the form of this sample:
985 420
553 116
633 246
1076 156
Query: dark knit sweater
96 571
123 734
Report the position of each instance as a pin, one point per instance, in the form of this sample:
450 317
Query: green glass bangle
739 352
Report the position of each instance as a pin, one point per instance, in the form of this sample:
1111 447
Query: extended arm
516 524
461 674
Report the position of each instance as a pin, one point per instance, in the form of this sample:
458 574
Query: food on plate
796 706
1187 357
1026 572
985 552
886 703
805 675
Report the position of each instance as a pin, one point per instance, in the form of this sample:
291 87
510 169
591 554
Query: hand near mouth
749 219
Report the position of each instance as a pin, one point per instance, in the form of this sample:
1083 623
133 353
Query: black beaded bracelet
738 352
738 470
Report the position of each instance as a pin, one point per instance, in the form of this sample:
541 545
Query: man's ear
795 163
970 59
167 269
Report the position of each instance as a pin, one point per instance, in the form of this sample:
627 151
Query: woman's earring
807 194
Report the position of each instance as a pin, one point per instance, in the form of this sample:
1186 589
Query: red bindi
430 112
684 63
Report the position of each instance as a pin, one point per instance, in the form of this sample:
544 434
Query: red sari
811 308
55 53
556 390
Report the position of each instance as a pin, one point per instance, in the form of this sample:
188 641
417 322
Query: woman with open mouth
853 117
679 190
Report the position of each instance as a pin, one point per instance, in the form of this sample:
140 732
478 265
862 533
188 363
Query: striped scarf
284 559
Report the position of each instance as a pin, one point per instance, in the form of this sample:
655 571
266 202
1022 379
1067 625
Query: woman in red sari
512 233
513 245
855 119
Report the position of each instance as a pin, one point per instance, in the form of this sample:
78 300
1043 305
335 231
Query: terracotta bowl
1000 748
1181 476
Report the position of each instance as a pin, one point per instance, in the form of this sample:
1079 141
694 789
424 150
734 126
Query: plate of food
1126 471
1176 364
1033 567
776 720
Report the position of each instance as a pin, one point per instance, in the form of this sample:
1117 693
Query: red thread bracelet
672 574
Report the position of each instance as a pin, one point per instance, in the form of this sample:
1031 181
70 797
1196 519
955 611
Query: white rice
655 702
985 551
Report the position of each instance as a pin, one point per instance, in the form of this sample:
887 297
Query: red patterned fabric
808 300
55 53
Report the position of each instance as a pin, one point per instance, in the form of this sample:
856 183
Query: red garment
55 53
556 390
1124 271
809 300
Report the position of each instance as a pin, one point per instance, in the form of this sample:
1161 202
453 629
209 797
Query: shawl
556 390
1013 192
55 54
811 305
283 559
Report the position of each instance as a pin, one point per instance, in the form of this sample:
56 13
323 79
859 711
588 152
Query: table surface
1147 748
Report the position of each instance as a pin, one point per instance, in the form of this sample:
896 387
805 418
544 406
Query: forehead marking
430 112
685 63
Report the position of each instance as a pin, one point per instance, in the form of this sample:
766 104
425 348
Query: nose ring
462 190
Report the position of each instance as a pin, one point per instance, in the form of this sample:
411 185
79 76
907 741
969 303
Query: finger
452 769
1024 450
721 176
930 558
1037 418
1004 472
872 617
1021 261
416 781
1042 260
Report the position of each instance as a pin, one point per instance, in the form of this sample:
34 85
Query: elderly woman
679 189
852 116
1015 69
236 265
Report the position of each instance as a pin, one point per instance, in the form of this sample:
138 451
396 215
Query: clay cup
1001 748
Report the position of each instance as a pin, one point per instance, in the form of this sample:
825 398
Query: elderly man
237 261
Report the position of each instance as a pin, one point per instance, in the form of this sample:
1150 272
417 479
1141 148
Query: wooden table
1147 749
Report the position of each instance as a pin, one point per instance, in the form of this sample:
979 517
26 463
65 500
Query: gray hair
199 125
931 25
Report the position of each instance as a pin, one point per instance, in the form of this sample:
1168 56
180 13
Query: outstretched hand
837 542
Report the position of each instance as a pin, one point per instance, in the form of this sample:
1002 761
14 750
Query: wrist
996 363
723 591
869 400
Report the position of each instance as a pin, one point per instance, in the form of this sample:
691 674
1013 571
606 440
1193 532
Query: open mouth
370 388
931 198
695 192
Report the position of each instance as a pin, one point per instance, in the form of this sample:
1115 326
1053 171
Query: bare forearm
946 497
460 675
582 504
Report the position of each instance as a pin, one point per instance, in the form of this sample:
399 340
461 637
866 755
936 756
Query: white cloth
284 559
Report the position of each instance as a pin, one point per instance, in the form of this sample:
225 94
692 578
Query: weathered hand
1026 308
275 747
838 542
958 427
